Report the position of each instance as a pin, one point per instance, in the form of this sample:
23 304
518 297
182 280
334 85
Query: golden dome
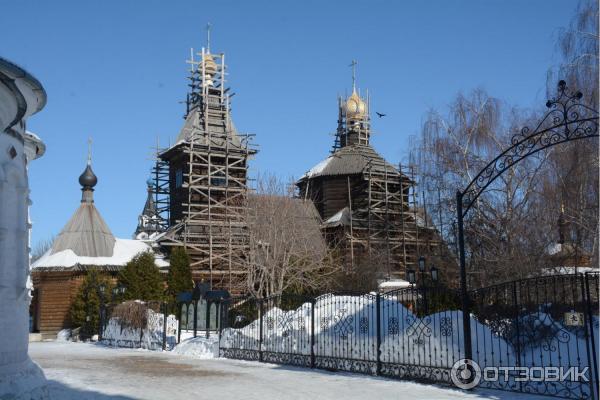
355 107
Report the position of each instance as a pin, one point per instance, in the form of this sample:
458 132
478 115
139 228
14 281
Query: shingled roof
215 127
350 160
86 233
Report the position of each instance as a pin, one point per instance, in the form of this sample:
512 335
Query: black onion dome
88 179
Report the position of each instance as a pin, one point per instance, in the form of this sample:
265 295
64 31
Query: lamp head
422 264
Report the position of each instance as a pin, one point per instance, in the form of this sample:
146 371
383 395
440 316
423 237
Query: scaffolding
160 190
207 175
383 224
386 223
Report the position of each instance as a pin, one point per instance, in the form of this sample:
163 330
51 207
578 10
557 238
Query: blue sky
115 70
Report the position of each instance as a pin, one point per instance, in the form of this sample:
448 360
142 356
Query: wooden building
85 243
367 205
566 256
201 181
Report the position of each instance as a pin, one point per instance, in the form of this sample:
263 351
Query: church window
178 178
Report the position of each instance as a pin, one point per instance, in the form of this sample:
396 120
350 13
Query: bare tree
572 178
452 149
577 45
512 224
287 249
41 247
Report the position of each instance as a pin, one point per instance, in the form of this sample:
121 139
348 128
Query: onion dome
210 67
88 179
355 107
150 182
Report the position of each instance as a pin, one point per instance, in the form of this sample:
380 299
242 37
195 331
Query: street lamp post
101 290
412 278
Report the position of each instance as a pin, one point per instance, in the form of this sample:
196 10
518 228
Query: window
178 178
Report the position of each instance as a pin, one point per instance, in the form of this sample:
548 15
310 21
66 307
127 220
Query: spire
88 179
353 122
355 106
562 225
208 37
149 207
89 159
86 233
353 65
148 221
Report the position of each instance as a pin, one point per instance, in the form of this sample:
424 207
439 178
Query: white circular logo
465 374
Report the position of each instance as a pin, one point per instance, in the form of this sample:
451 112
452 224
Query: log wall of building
55 292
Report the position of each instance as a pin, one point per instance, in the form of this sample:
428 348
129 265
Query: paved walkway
87 371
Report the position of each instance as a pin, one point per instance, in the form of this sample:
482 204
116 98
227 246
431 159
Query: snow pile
64 335
199 347
346 327
151 338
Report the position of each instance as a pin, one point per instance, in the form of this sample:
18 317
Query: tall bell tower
207 171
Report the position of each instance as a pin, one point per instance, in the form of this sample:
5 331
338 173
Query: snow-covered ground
88 371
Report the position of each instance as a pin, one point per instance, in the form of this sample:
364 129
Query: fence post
260 332
179 322
207 318
589 338
518 333
588 303
101 322
464 293
219 324
195 316
312 333
164 336
378 305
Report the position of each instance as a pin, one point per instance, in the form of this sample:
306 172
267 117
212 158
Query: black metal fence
418 333
539 322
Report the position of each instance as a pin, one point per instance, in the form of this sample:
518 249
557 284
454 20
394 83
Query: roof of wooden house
86 233
86 241
350 160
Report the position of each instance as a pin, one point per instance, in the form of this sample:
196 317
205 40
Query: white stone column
19 376
20 95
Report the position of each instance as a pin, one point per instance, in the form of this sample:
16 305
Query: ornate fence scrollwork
516 324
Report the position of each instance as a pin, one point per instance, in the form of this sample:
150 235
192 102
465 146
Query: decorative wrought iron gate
417 333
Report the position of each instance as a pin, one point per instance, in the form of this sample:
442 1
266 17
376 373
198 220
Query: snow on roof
317 169
568 270
124 250
554 248
394 284
353 159
337 216
342 217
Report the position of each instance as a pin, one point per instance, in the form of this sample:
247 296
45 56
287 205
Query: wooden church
364 201
85 243
201 181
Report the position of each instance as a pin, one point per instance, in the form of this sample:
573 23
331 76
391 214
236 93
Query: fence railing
412 333
150 325
417 333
